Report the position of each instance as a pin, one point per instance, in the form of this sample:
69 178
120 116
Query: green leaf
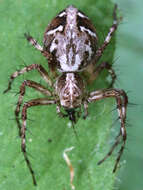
47 134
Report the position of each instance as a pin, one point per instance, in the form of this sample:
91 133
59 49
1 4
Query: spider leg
34 102
38 67
108 67
113 28
34 42
30 84
112 149
122 101
95 72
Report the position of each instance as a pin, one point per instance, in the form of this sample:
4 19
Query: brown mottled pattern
70 98
70 40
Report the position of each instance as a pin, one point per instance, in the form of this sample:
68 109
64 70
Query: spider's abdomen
71 40
70 89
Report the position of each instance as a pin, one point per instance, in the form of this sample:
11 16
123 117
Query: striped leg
33 42
30 84
34 102
122 101
38 67
113 28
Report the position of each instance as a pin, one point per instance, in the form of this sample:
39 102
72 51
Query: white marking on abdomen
77 60
53 46
81 15
63 60
83 29
60 28
65 67
88 48
62 14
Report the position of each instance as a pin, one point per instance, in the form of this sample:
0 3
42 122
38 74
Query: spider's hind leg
122 101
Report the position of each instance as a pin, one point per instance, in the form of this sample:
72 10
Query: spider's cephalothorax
70 90
70 45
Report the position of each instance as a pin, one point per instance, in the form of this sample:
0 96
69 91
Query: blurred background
128 66
129 55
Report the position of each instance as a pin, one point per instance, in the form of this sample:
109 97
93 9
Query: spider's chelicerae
70 46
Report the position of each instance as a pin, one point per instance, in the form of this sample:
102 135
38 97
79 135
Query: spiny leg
34 42
34 102
112 148
122 101
30 84
113 28
122 107
108 67
38 67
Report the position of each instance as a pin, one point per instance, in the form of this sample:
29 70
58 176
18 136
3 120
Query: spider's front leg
37 67
34 102
34 42
95 71
122 101
107 40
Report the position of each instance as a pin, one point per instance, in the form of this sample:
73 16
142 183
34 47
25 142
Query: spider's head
70 89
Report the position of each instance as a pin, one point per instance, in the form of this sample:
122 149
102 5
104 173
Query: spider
70 46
